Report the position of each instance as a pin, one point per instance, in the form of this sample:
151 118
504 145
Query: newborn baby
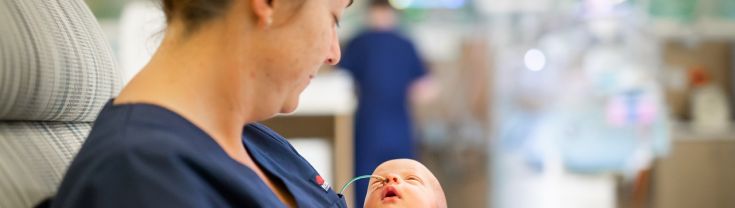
407 183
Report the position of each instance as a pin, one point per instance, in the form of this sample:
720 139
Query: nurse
182 133
384 65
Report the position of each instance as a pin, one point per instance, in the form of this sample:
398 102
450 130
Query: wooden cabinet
699 172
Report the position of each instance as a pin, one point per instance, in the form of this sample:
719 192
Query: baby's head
409 184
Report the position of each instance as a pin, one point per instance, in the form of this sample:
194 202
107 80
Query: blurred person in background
385 65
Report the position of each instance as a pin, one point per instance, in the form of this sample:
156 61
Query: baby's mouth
390 192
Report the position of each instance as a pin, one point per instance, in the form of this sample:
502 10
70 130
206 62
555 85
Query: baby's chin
389 203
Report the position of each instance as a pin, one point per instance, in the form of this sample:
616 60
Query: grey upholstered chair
56 73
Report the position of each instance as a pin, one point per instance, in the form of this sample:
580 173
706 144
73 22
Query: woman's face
291 50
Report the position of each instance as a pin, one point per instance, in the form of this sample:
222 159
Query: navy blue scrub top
140 155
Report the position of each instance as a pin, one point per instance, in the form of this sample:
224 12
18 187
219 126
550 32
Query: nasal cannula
362 177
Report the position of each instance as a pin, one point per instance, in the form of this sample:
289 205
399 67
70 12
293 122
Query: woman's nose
335 54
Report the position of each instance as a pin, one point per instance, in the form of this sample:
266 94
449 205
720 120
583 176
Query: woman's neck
188 79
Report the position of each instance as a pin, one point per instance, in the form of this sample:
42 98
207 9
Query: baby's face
409 184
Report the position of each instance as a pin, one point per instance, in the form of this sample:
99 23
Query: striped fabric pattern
55 64
34 157
56 74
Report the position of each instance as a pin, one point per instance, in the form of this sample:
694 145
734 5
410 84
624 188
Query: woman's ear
263 10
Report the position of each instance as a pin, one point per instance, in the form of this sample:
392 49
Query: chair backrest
56 73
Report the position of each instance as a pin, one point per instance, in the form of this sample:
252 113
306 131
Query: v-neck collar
266 163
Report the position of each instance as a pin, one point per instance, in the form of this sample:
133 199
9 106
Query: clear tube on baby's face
414 179
382 179
379 181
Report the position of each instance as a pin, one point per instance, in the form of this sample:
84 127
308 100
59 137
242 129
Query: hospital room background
532 103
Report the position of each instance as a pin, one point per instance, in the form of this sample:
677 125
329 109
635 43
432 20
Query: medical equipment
385 180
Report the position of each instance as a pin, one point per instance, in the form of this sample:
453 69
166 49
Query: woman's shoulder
126 152
134 131
142 123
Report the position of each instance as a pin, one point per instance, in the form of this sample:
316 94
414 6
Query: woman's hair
380 3
193 13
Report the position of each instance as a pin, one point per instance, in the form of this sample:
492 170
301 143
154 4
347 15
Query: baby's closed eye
413 178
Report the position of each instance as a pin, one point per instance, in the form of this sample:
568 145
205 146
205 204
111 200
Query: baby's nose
393 179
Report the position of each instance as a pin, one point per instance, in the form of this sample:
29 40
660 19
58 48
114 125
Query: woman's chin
289 107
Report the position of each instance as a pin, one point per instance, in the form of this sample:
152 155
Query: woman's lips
390 194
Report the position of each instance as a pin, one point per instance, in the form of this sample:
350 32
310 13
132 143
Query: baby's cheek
421 197
372 200
373 193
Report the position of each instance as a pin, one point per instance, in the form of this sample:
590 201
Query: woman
182 132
